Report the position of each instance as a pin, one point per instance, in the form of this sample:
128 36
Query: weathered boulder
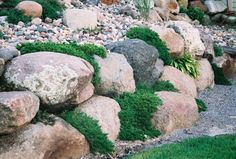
57 79
183 82
2 64
178 111
180 17
199 4
16 110
227 64
227 19
205 78
208 43
8 53
105 110
174 42
39 141
142 57
79 19
116 75
191 35
30 8
154 16
163 13
215 6
171 5
230 50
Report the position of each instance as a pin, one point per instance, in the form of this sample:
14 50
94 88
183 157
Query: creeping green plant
201 105
90 128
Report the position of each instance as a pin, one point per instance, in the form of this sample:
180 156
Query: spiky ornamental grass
186 64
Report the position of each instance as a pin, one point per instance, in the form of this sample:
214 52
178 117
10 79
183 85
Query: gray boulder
216 6
208 43
142 57
8 53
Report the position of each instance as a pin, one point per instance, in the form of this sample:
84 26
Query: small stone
36 21
17 109
20 23
57 22
48 20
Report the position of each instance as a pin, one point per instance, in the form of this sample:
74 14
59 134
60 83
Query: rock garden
108 79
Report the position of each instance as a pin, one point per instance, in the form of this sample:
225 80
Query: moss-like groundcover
158 86
137 110
220 78
85 51
219 147
89 127
218 50
202 107
193 13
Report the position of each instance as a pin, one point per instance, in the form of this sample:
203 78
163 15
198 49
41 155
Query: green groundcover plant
158 86
220 78
90 128
151 38
193 13
84 51
201 105
186 64
218 50
137 110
